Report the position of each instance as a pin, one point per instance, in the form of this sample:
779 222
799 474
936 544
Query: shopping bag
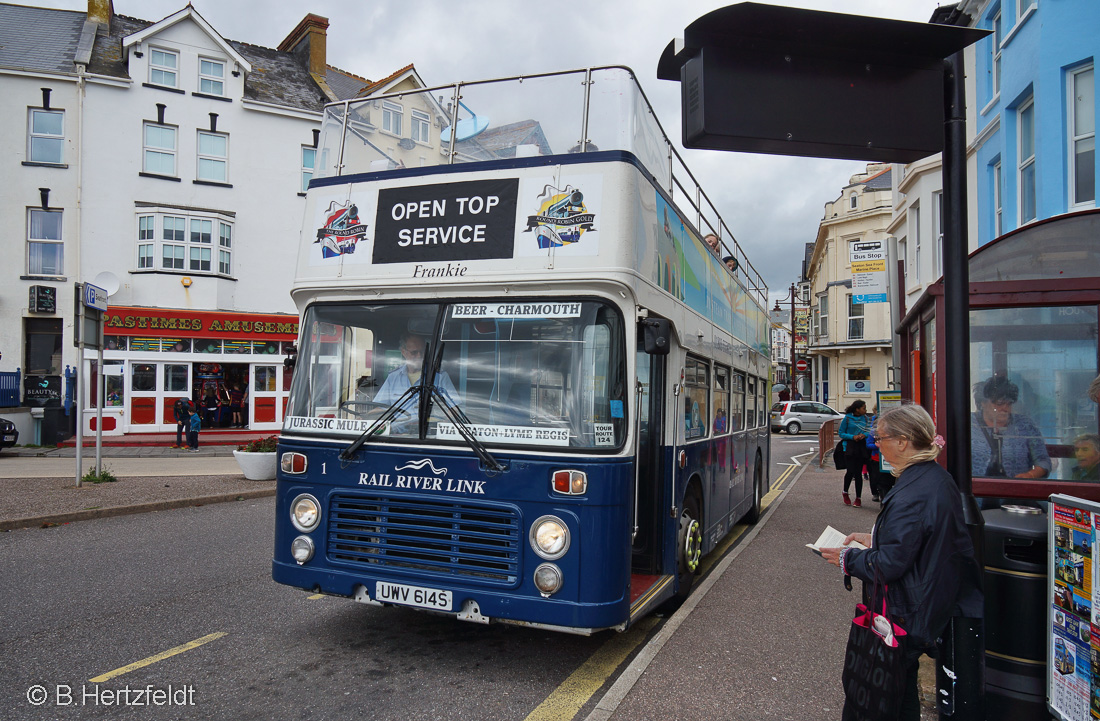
874 665
838 456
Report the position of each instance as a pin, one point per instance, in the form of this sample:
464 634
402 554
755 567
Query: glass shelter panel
520 118
1031 416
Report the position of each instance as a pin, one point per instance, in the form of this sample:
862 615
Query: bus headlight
305 513
547 579
550 537
302 549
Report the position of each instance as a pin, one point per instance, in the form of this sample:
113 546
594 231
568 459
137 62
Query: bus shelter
1034 303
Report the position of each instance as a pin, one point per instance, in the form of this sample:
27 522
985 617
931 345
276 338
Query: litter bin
1016 613
56 426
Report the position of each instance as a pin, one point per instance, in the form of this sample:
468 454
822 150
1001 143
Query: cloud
772 204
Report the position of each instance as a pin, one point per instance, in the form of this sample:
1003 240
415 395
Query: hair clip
939 441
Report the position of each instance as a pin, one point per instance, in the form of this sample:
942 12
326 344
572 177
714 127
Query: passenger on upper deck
712 242
400 380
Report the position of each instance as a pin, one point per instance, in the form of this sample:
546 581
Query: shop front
230 365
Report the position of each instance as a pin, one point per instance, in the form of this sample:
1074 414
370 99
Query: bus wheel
689 546
757 491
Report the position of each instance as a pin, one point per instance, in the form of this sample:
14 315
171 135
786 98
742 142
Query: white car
796 416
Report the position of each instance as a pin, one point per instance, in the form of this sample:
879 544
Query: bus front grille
477 543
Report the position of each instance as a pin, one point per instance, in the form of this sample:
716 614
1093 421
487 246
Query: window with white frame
309 162
185 242
147 240
173 246
903 254
213 153
995 66
937 222
823 316
159 152
1082 137
225 248
45 248
1022 6
856 315
421 122
164 67
914 239
852 202
46 141
391 117
998 226
1026 165
211 76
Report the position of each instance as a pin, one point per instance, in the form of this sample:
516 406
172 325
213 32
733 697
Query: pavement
762 636
38 487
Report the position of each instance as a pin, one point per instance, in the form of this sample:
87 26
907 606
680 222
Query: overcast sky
771 203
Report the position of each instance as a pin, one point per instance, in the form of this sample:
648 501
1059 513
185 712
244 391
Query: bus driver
408 375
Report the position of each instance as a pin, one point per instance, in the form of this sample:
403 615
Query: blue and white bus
525 391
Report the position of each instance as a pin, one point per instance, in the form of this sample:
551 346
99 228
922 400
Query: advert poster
1073 691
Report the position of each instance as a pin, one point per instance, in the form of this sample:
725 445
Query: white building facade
169 164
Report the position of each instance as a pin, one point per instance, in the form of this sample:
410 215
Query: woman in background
853 430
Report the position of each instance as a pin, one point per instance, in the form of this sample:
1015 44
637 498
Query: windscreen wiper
462 423
387 415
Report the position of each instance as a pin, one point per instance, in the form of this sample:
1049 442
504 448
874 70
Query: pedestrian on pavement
919 546
183 416
853 431
880 482
235 397
193 432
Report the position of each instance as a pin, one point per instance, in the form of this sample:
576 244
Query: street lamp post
794 298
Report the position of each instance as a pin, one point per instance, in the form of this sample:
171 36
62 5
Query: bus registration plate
412 596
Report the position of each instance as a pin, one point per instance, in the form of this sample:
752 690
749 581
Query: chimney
307 43
101 11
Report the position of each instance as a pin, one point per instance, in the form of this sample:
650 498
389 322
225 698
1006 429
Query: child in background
193 432
1086 449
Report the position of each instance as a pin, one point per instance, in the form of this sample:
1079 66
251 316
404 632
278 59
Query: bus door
652 477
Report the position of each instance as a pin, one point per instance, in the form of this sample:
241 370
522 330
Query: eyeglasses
415 353
880 439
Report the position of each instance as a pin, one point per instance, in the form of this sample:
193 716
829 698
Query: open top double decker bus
525 390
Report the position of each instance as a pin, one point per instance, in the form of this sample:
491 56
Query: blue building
1035 104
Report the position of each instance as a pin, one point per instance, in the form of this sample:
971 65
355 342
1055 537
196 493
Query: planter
256 466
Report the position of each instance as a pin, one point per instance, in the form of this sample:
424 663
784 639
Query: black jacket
922 552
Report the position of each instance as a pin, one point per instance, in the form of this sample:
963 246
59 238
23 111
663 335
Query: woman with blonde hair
919 548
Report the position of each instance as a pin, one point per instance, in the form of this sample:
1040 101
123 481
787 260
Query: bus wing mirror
657 336
291 357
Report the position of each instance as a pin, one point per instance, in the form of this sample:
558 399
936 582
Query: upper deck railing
567 112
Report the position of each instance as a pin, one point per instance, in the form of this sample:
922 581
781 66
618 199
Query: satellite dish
108 281
467 127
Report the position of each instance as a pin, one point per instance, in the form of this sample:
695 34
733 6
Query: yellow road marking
769 497
566 700
315 596
158 657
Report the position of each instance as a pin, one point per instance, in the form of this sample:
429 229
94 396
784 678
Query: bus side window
737 410
696 389
722 419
